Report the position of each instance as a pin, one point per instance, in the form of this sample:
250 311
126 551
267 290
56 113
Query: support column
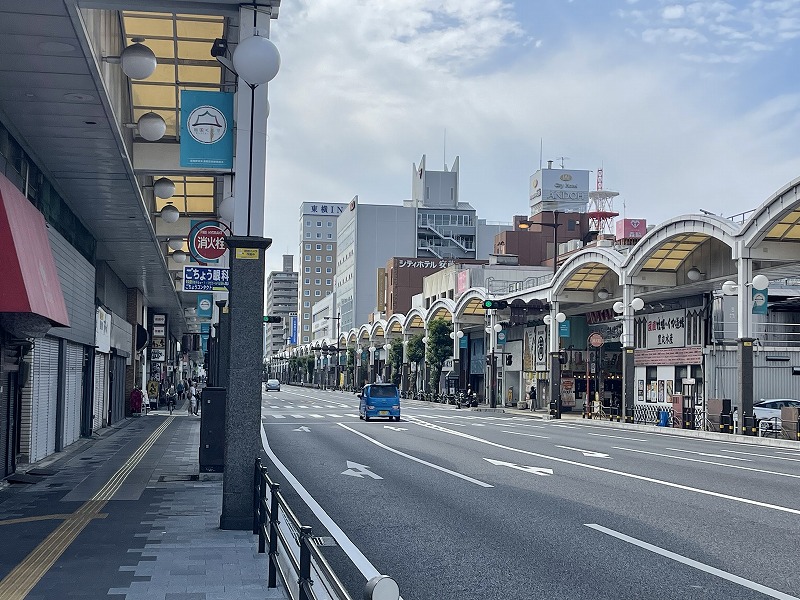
628 369
224 345
243 406
744 359
555 363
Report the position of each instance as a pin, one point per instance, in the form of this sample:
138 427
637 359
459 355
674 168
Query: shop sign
205 279
541 348
159 319
692 355
159 330
666 329
157 354
102 330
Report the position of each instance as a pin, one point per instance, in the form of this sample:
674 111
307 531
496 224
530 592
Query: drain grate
178 477
320 540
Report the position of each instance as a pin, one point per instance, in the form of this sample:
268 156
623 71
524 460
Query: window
318 293
328 270
330 236
306 292
328 293
319 247
305 338
308 269
306 328
308 234
308 246
318 282
329 247
318 269
308 258
328 259
307 281
308 223
306 304
306 315
328 282
330 223
319 223
319 236
319 258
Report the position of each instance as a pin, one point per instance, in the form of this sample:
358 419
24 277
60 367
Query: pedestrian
180 389
532 397
193 399
171 397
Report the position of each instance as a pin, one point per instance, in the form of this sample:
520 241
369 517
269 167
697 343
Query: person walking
532 397
171 398
193 397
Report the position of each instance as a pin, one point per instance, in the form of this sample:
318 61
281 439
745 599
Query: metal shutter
73 393
44 399
100 396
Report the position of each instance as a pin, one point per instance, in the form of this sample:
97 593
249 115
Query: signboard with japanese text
102 330
158 354
293 338
159 330
158 342
159 319
759 301
205 279
205 305
206 129
323 208
666 329
564 329
540 348
207 241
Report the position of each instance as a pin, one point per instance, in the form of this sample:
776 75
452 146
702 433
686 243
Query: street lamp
338 319
555 225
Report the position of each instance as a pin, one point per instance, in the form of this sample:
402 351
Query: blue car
379 400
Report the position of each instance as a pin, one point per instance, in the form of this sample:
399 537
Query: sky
685 105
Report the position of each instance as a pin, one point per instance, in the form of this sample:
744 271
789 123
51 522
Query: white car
767 409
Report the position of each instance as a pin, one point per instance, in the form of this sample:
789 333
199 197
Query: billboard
564 190
631 229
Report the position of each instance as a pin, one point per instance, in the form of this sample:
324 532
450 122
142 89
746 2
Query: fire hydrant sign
207 241
205 279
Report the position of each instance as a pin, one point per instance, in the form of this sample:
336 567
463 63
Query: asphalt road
456 504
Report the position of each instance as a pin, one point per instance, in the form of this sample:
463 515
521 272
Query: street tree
440 348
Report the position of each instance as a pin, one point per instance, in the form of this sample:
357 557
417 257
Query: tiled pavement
158 538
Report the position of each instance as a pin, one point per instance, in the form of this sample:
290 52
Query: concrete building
317 259
323 319
281 302
432 226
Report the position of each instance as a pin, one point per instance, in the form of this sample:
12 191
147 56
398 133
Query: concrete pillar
555 363
627 340
744 359
243 406
224 344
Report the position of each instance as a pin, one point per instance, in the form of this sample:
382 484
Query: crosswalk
292 412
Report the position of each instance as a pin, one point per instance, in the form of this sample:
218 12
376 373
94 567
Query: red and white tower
601 208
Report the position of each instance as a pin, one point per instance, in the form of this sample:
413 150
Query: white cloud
364 91
674 11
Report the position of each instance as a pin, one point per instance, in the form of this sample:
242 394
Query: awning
29 282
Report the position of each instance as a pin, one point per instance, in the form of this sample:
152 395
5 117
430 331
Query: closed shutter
100 396
73 393
43 399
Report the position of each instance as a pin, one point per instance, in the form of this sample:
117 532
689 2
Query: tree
351 364
396 360
440 348
310 363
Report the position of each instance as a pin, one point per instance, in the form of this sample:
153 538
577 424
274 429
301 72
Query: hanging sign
207 241
205 279
205 305
206 129
759 301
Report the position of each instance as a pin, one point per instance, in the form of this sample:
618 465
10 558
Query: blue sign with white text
205 305
563 329
205 279
293 338
206 129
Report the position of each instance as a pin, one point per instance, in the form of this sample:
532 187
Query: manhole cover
168 478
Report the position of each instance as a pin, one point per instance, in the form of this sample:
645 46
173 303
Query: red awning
29 282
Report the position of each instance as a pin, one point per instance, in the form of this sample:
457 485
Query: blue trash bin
663 418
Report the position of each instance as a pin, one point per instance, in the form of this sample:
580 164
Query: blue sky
686 105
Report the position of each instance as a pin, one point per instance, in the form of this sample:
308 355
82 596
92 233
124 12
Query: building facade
317 260
282 289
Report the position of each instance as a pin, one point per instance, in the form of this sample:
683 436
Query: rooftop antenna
444 150
541 151
562 159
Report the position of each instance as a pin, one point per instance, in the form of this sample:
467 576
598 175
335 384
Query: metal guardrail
294 552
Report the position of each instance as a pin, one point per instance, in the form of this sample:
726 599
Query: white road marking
590 453
618 437
361 562
315 416
333 415
299 416
709 454
302 428
612 471
709 462
351 415
761 455
415 459
356 470
395 428
279 416
535 470
693 563
301 406
275 407
544 437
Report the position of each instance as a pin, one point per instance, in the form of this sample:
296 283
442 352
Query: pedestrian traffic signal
495 304
272 319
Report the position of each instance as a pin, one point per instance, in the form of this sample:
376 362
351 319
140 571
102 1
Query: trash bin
663 418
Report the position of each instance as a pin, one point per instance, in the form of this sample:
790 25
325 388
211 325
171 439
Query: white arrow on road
535 470
590 453
356 470
395 428
303 428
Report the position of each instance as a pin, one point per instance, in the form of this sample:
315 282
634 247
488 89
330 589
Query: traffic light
272 319
509 359
495 304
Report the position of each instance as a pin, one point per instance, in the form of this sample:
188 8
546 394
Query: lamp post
626 308
553 321
555 225
338 319
255 62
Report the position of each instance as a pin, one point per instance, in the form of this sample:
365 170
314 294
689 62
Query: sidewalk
127 515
